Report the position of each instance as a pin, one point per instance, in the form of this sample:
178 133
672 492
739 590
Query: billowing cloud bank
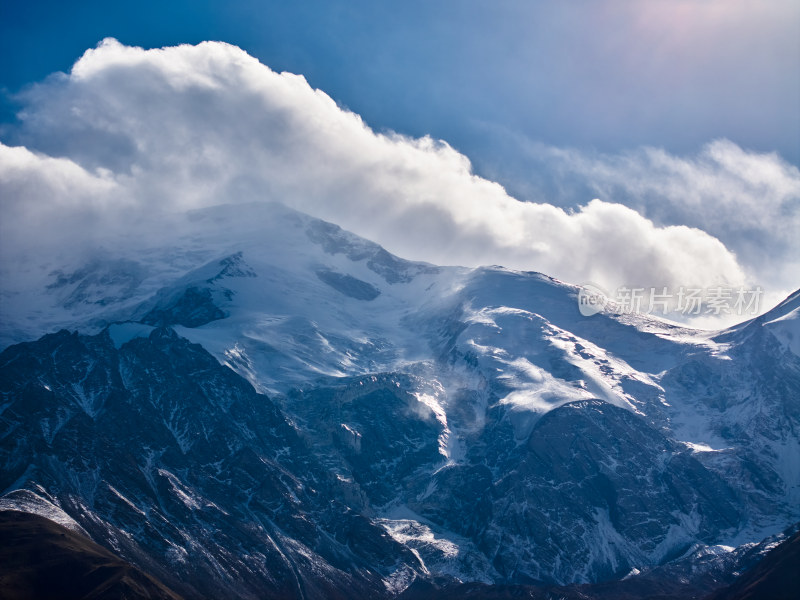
750 201
129 133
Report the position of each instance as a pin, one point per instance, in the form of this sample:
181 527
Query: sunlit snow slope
473 415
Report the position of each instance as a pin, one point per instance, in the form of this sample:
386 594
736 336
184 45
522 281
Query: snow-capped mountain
371 422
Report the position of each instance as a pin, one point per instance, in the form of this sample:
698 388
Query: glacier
368 422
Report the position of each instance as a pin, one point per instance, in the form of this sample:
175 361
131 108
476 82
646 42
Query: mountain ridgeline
297 413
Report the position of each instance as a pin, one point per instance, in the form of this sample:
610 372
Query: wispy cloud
750 201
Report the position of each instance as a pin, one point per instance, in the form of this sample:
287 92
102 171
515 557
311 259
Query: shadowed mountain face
40 559
768 572
160 452
305 415
776 576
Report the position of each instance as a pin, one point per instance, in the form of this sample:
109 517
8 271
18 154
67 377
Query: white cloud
138 132
43 199
749 201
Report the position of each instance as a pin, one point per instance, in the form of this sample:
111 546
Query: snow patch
28 502
698 447
787 329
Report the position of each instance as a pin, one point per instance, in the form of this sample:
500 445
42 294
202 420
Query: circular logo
591 299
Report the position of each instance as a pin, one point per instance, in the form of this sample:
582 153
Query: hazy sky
680 116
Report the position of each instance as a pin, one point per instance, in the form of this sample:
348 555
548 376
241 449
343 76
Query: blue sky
681 116
604 76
